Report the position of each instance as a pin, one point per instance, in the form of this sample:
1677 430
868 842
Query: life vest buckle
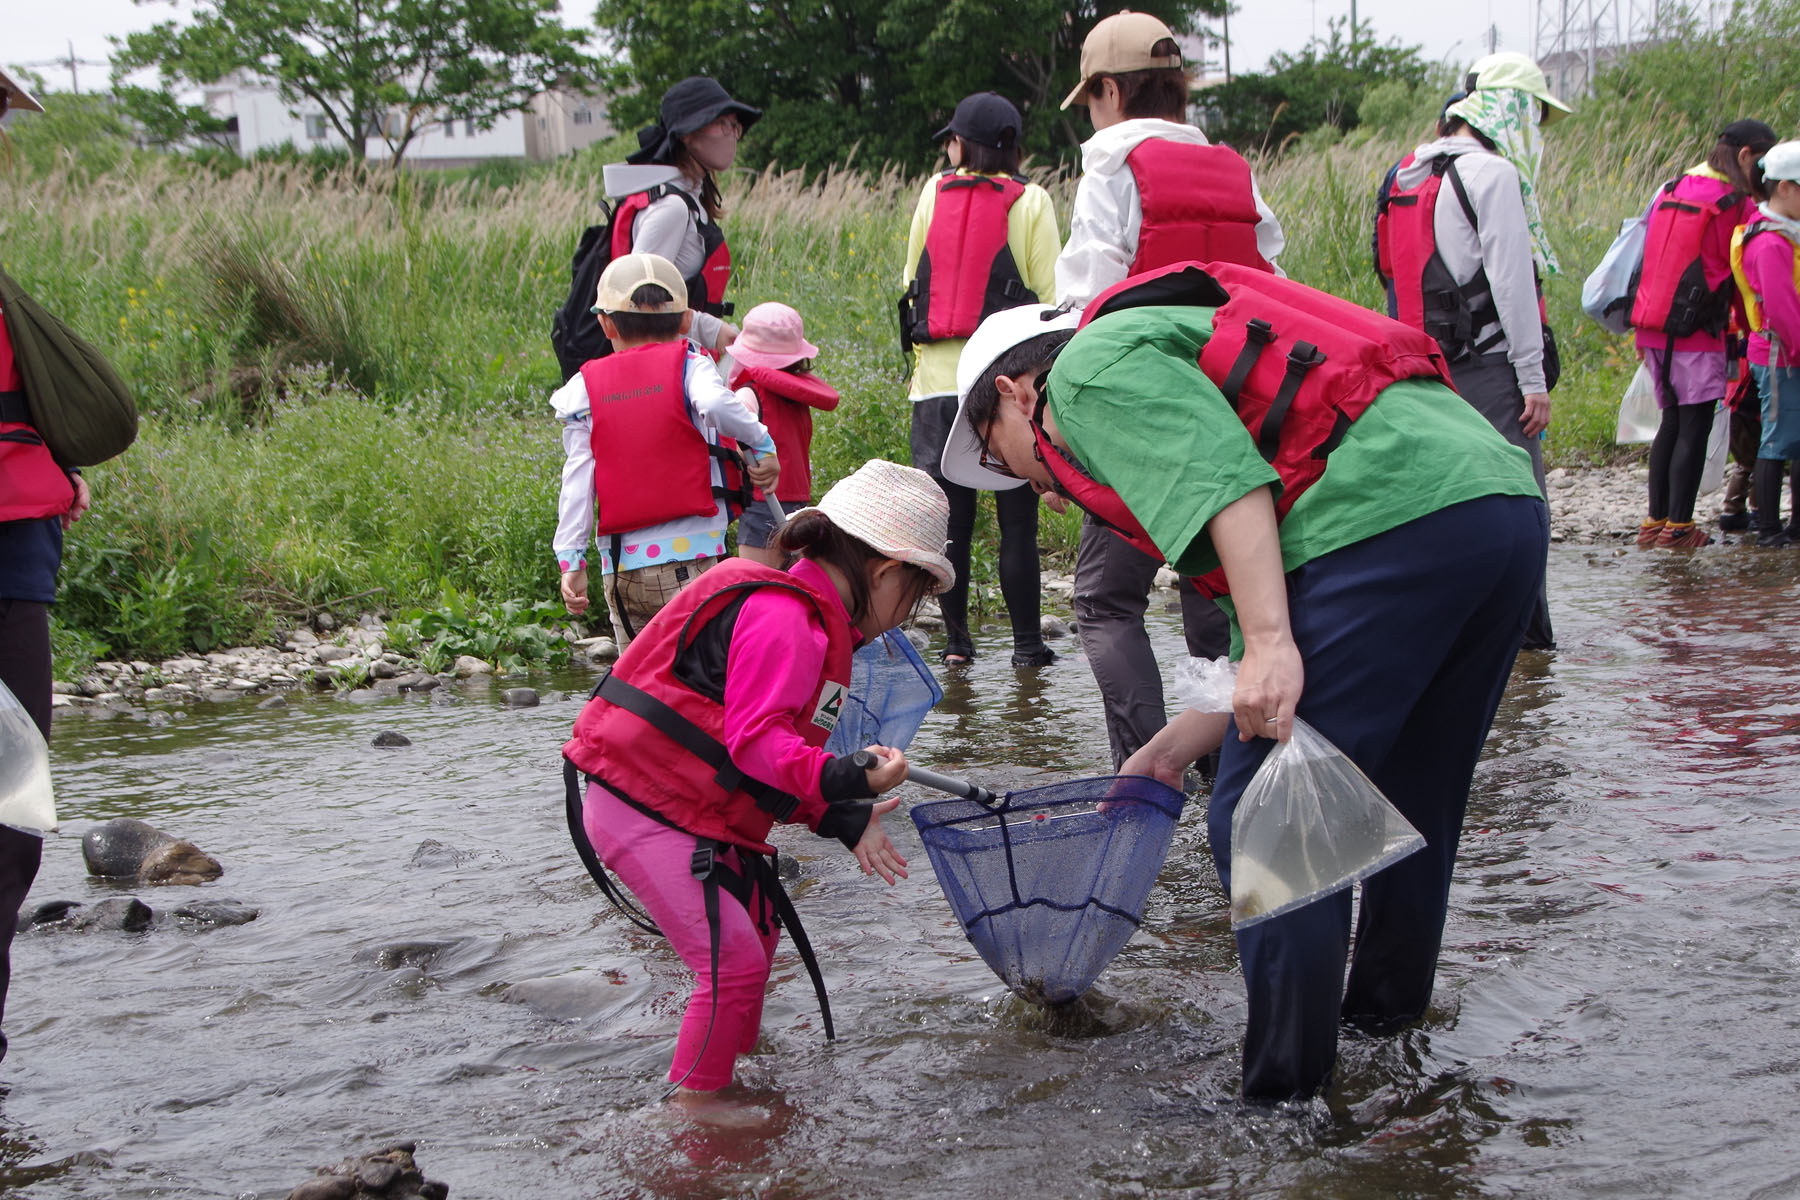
703 862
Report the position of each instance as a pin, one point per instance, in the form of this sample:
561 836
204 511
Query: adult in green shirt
1384 607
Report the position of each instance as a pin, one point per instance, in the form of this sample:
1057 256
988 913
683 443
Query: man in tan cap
643 466
1153 191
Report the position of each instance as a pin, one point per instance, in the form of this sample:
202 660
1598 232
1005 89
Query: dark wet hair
1739 135
984 396
1155 92
812 534
991 160
644 326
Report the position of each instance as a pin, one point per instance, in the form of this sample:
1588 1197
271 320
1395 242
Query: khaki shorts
641 593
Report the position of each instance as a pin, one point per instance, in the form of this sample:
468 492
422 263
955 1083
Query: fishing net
891 690
1050 884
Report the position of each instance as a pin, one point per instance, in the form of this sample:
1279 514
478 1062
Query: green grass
344 375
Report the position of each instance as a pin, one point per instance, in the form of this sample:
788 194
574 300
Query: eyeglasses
989 460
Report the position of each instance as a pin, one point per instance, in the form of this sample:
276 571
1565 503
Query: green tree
381 68
1323 85
876 76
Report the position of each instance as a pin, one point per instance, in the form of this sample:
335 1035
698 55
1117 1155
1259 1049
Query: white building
556 123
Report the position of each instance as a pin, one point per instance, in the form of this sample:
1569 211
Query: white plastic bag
1206 684
1638 414
1712 475
1606 295
1309 824
26 799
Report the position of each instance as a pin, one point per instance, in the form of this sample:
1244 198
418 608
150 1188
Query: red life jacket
1296 364
1422 292
706 289
975 275
1198 205
787 399
1676 292
679 768
651 464
32 486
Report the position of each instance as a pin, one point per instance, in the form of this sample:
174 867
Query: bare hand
1268 690
1536 417
84 500
764 470
727 335
575 591
887 774
873 850
1056 502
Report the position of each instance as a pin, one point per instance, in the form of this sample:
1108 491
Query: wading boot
1649 531
1732 517
1682 535
1766 487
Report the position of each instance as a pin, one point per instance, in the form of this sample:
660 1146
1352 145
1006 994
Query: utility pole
1226 20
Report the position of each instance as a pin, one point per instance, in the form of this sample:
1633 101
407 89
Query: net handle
935 781
769 499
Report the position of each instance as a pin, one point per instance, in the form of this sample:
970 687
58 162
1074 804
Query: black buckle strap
1301 359
696 741
1258 333
14 409
585 850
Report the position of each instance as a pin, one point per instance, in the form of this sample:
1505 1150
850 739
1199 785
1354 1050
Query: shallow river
1617 1012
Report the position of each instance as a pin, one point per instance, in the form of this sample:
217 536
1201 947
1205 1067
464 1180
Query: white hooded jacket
1103 228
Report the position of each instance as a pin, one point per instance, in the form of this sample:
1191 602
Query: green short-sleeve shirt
1128 396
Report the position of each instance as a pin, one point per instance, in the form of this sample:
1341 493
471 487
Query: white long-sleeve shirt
1503 247
669 228
715 410
1103 226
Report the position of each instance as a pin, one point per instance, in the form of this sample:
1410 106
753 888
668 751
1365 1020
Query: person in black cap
983 239
1681 329
697 132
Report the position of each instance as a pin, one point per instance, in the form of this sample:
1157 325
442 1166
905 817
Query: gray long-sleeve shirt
1502 247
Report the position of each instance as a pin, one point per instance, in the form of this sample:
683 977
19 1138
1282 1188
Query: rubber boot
1793 525
1766 485
1732 517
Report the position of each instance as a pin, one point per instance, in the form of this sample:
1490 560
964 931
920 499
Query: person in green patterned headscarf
1479 293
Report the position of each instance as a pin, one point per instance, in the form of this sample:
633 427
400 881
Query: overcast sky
35 33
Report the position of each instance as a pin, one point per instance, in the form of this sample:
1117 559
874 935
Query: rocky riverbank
1588 506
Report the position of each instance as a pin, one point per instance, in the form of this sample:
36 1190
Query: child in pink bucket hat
773 360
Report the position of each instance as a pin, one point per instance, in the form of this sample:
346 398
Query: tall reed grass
344 375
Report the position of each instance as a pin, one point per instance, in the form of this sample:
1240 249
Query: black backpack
575 333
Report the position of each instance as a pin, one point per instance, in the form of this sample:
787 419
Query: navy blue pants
1407 639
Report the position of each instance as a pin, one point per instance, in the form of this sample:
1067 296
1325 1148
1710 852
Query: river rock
324 622
126 913
1052 626
928 621
468 666
389 737
331 654
272 702
433 853
917 638
391 1173
419 681
117 848
381 668
179 862
218 912
599 649
519 698
580 996
52 912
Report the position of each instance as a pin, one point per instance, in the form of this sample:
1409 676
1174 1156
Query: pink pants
656 862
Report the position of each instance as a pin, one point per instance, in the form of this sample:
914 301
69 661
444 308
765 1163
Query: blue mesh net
891 690
1051 884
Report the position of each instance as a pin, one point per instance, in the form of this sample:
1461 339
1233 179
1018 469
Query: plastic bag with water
1050 885
891 690
26 798
1309 824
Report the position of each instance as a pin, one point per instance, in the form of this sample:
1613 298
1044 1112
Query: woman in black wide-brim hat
698 134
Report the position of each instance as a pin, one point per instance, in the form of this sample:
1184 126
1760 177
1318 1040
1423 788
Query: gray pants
1491 388
1113 581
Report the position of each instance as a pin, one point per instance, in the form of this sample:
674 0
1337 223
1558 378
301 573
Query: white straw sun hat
900 511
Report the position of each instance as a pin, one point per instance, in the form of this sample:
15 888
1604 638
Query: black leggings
1017 510
1677 456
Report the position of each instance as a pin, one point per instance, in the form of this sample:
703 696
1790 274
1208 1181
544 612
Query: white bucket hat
961 461
1782 162
900 511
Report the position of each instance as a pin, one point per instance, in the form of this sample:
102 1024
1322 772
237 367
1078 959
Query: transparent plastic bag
1206 683
1309 824
1718 441
1638 414
26 798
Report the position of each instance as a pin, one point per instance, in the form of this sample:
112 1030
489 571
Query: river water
1616 1011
